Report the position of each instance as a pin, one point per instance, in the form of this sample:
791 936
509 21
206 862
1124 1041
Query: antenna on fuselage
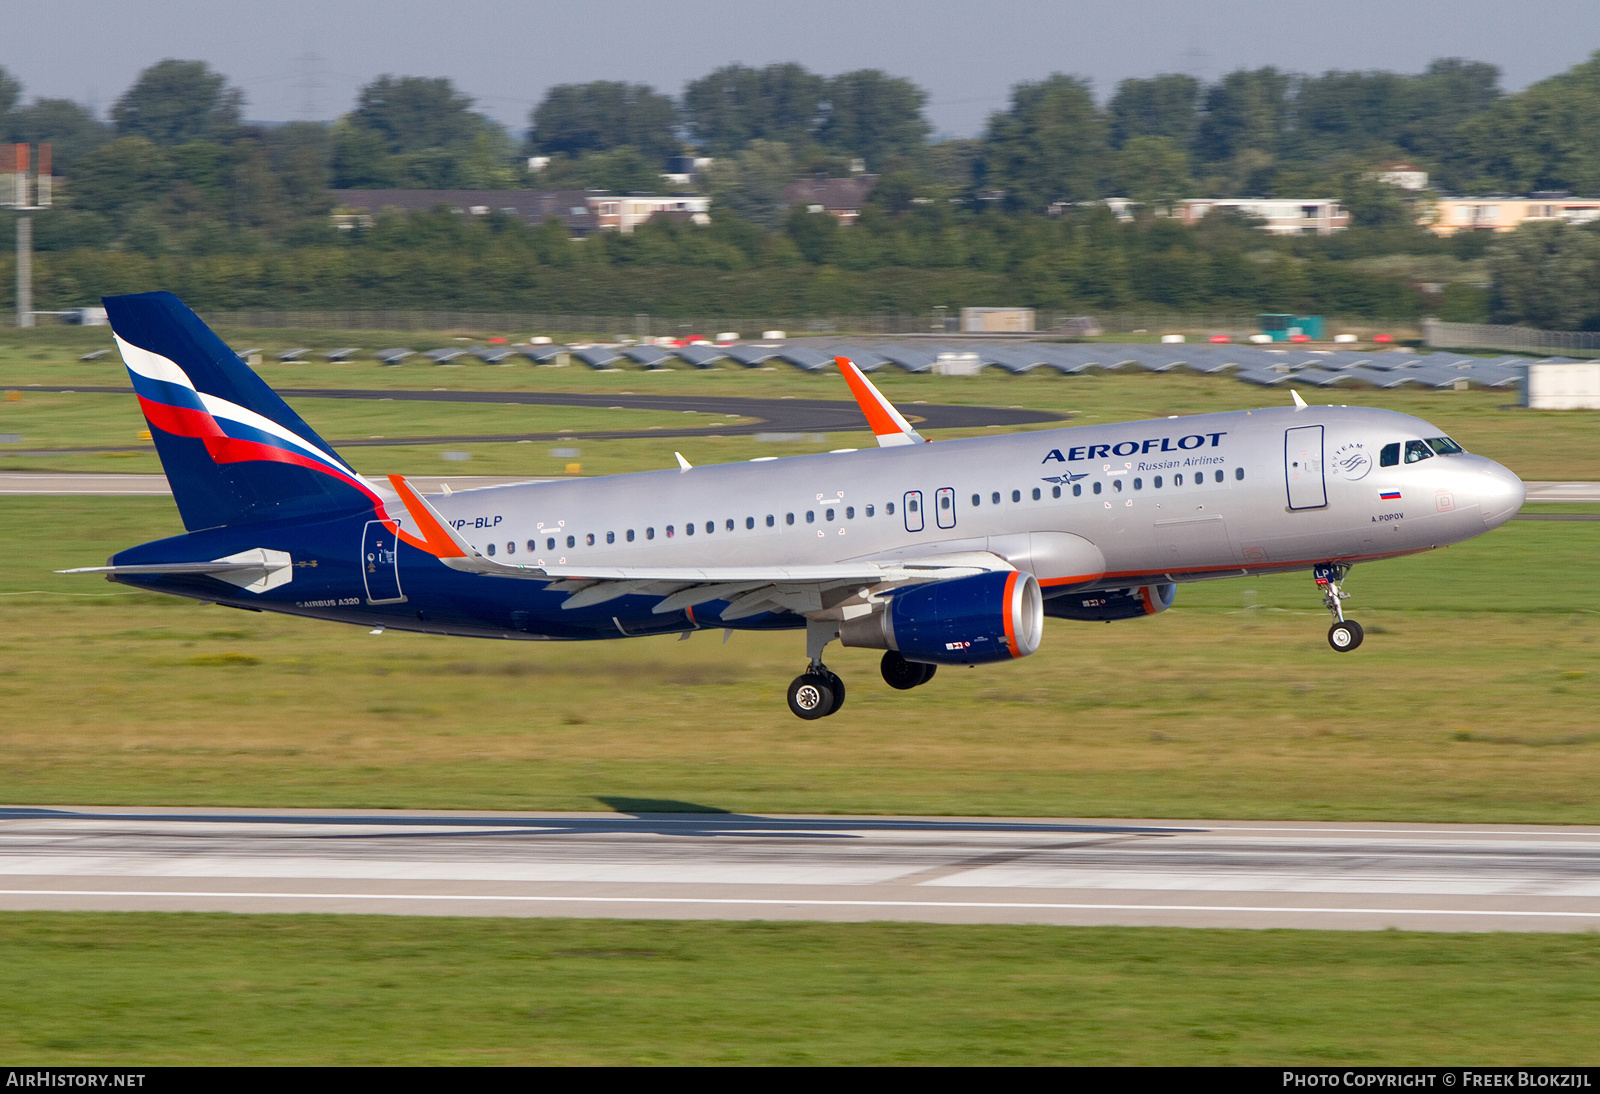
683 464
1299 403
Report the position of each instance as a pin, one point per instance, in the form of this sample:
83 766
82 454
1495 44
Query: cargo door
380 564
1302 467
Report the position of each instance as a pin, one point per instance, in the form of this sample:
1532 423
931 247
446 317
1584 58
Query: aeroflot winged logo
231 433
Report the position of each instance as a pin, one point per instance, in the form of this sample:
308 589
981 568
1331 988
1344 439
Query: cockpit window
1417 451
1390 456
1444 446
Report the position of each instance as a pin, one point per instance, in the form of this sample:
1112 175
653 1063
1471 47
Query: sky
306 59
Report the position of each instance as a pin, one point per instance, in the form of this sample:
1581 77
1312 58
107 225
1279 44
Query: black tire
810 697
1345 636
836 686
927 674
900 674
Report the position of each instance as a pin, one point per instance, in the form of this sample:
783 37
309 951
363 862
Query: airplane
951 553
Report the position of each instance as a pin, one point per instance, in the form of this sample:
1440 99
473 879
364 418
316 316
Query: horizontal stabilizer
256 570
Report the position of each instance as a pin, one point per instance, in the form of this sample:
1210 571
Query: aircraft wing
749 590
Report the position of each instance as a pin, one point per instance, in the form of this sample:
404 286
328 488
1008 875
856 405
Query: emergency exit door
1302 467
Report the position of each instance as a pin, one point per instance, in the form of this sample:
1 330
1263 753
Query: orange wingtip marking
436 541
877 417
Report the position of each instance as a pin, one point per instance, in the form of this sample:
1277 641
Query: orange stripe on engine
1011 631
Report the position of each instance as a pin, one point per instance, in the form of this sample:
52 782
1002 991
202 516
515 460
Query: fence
1511 339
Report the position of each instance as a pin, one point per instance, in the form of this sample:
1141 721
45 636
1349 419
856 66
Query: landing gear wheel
811 697
927 673
1345 636
836 686
903 675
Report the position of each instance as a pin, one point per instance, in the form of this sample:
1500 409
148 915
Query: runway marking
758 901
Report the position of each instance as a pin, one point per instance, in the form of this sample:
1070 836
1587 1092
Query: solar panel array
1252 364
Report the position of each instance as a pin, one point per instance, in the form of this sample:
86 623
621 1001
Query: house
1503 213
1282 216
1403 175
843 198
583 212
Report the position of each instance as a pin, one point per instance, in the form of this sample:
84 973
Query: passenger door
380 564
1302 467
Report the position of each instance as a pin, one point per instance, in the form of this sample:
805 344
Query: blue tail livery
232 449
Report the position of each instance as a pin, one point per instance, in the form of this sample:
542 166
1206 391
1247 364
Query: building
624 214
1501 213
843 198
1282 216
1001 320
1403 175
583 212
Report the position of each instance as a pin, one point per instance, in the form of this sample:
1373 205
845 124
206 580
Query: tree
1542 138
874 115
816 234
173 102
1547 275
600 116
1245 112
735 105
1444 97
10 93
621 171
1050 146
1153 171
70 130
751 186
1164 106
1348 112
412 114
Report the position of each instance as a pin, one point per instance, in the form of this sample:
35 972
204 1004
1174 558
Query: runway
1354 876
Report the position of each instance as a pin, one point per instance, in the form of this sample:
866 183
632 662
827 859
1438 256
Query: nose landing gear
1345 634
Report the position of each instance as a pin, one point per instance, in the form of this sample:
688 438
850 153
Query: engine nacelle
1104 605
964 621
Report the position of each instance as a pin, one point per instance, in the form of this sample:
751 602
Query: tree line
175 175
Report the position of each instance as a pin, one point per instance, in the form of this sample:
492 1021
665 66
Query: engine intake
964 621
1104 605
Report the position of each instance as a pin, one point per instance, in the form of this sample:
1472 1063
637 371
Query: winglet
1299 403
438 537
887 423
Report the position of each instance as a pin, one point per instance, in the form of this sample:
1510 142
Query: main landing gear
818 692
1345 634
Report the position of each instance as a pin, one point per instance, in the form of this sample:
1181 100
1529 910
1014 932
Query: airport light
15 195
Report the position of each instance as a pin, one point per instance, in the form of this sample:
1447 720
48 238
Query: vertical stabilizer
232 449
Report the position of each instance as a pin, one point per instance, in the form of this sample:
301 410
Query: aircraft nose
1500 494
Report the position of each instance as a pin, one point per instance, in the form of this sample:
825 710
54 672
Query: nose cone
1500 494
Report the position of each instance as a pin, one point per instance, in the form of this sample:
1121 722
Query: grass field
1473 699
1535 444
144 989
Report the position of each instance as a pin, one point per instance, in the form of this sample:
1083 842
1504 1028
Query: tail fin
233 451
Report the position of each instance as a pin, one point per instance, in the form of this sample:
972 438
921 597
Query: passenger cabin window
730 524
811 516
649 533
1116 484
550 544
912 505
711 526
888 508
1016 495
1156 482
1177 480
1035 493
1077 489
849 512
976 499
588 540
944 501
1238 473
1219 475
750 522
771 520
995 497
572 541
630 535
611 537
1055 491
788 518
511 548
670 531
688 529
1390 456
869 510
533 545
1097 488
1138 484
1417 451
828 516
491 550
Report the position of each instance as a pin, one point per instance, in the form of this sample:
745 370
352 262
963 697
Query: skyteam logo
231 433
